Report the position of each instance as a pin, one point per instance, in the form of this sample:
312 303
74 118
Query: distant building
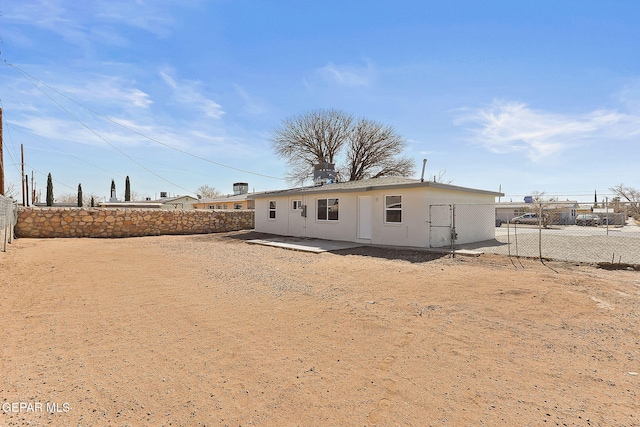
558 212
238 200
178 202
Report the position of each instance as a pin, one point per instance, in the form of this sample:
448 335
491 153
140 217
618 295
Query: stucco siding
475 216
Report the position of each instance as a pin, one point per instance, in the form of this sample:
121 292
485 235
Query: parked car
530 218
587 219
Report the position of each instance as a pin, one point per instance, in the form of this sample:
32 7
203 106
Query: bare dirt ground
209 330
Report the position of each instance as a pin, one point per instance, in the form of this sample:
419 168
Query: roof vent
324 173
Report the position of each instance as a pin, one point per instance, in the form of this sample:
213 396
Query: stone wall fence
100 222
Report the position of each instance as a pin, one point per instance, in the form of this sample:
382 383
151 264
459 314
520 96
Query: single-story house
130 205
232 201
609 216
238 200
383 211
558 212
178 202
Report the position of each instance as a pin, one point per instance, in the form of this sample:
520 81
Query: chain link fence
568 231
8 219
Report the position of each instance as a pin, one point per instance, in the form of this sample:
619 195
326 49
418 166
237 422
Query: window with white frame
272 209
393 209
328 210
237 206
297 204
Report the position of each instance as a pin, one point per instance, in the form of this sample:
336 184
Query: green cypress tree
113 189
79 195
127 190
49 190
93 202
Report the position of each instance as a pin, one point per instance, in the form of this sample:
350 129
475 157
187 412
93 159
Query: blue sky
528 95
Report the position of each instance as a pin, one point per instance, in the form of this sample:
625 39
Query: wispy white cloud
348 75
54 16
191 94
149 16
252 105
83 23
111 91
507 127
629 96
182 116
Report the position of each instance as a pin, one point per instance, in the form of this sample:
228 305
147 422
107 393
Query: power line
98 135
143 135
11 139
81 159
54 180
55 149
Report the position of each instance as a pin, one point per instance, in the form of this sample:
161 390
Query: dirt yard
209 330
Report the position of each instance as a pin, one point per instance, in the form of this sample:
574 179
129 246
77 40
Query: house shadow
232 236
483 244
394 253
415 256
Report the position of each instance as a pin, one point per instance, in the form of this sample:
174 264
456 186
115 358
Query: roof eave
418 184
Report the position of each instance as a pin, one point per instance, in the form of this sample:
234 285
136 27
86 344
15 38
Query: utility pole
1 159
26 188
22 181
33 189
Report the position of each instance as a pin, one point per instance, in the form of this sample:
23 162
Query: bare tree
365 148
538 196
548 208
374 150
206 192
136 196
309 139
11 191
631 195
441 179
67 199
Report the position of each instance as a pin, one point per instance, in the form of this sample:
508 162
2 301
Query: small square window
272 209
393 209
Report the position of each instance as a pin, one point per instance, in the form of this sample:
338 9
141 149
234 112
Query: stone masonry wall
100 222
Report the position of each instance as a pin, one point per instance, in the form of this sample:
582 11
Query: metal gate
441 226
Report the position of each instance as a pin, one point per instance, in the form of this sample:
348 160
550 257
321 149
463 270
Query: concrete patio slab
319 246
305 244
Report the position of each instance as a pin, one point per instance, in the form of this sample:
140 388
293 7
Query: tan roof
390 183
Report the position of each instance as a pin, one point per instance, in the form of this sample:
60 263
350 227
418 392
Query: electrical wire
141 134
11 139
78 157
98 135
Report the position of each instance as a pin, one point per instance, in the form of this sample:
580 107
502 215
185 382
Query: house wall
476 220
181 203
98 222
246 204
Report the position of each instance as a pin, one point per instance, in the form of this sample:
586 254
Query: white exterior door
364 217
